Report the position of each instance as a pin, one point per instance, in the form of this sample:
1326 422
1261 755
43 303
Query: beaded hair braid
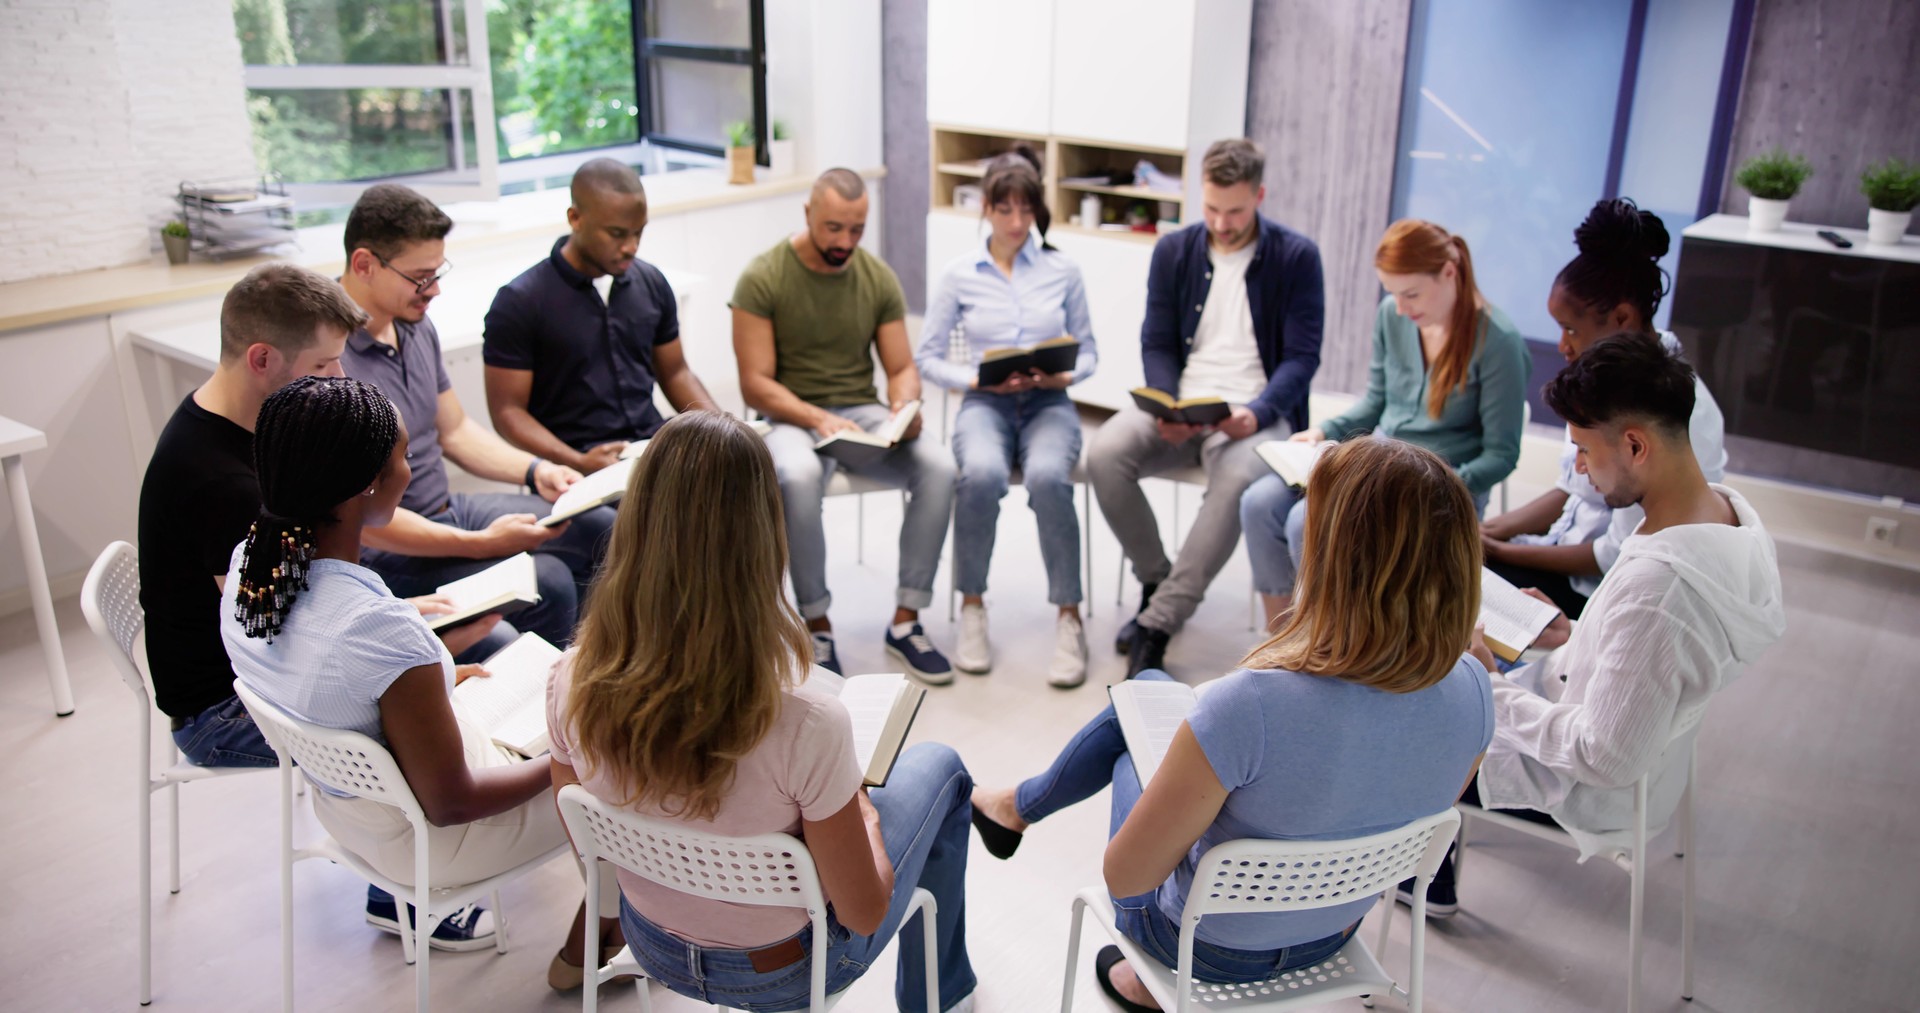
318 442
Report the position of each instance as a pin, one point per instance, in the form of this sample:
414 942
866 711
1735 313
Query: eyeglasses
420 285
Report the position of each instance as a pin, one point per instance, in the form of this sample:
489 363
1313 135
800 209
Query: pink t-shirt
803 769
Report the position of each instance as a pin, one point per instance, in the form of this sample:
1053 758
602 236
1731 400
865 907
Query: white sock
901 629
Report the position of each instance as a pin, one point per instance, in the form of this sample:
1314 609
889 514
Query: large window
462 97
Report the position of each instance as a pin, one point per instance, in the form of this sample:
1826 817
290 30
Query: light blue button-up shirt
1044 299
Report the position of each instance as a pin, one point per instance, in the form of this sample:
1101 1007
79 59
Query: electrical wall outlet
1881 530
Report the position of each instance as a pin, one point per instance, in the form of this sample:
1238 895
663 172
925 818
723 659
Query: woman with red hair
1449 374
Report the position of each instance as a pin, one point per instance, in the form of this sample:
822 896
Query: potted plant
740 152
173 236
1772 179
780 156
1893 189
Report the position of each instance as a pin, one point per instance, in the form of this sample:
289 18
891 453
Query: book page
1512 618
605 485
1150 714
633 449
897 425
1293 462
510 702
511 578
869 700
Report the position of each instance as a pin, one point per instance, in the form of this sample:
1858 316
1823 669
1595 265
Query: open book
855 447
1293 462
1511 618
882 706
1057 355
598 489
1150 712
1193 411
505 587
510 702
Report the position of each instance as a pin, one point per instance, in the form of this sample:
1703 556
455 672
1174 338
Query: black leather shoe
1149 651
1123 640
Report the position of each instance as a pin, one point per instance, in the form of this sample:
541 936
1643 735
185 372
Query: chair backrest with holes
1254 875
770 870
341 760
110 599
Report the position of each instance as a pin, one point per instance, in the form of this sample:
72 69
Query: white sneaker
1069 666
972 654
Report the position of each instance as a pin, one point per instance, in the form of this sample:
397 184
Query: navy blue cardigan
1285 291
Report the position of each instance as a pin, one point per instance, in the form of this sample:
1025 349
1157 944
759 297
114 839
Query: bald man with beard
575 345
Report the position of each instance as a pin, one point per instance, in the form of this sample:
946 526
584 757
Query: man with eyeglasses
396 258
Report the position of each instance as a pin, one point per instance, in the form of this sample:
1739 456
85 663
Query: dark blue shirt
412 377
592 361
1285 292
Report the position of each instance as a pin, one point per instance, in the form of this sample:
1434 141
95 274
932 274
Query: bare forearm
882 864
1533 517
521 429
1571 560
484 454
686 393
495 790
903 386
410 534
771 398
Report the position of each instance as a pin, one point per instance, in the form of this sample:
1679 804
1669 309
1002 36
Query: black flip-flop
1103 973
1000 841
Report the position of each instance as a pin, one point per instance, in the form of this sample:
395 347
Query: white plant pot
783 158
1884 228
1765 215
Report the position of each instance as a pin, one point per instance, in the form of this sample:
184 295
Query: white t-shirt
1225 360
604 286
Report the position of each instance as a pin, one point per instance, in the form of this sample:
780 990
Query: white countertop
458 315
1801 237
18 437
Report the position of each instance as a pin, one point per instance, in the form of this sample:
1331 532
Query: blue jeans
1095 757
565 565
224 735
1274 516
924 819
920 466
1040 432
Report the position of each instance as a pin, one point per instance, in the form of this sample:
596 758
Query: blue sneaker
470 928
824 654
915 653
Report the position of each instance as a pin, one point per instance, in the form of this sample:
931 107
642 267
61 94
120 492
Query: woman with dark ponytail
320 636
1563 541
1013 291
1449 374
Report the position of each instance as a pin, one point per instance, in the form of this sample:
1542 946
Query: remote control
1835 238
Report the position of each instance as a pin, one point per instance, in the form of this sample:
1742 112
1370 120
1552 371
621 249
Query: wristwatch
532 466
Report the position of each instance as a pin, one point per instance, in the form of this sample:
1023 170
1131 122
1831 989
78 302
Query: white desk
1801 236
15 440
459 316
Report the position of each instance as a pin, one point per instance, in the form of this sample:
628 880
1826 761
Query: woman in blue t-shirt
1360 715
322 638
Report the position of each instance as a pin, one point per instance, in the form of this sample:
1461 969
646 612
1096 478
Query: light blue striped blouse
1044 299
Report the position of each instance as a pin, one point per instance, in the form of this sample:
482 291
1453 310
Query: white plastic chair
1625 856
110 598
1268 876
353 763
768 870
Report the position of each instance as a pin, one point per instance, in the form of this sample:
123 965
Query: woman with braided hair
321 637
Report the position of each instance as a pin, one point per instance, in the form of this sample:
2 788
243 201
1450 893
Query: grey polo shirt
412 376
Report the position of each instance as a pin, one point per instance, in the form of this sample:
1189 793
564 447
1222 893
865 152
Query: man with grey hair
808 317
1234 309
575 344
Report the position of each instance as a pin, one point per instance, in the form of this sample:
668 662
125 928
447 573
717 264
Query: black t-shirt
198 499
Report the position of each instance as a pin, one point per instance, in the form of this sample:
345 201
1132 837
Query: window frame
754 58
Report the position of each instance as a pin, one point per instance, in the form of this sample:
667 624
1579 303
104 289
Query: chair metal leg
860 529
286 884
1460 848
173 837
1086 535
425 920
1386 928
500 926
1073 954
1636 905
928 910
146 883
1687 862
590 956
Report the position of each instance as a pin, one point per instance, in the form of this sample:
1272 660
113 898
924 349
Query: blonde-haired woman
1288 747
1449 374
685 696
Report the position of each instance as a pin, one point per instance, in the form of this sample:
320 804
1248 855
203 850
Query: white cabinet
1121 70
987 64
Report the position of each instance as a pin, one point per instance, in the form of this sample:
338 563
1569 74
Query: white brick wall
105 105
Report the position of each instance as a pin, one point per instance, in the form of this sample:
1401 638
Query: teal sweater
1479 430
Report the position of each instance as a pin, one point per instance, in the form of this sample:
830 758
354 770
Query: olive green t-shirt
823 324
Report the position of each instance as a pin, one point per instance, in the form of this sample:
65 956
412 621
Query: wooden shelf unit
960 155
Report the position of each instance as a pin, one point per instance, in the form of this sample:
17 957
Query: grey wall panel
903 212
1834 81
1324 100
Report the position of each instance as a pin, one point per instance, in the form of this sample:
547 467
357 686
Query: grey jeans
920 466
1128 448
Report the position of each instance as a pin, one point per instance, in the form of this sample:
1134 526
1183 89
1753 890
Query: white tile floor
1809 807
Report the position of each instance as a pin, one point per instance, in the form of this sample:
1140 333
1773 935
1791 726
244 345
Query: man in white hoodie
1692 600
